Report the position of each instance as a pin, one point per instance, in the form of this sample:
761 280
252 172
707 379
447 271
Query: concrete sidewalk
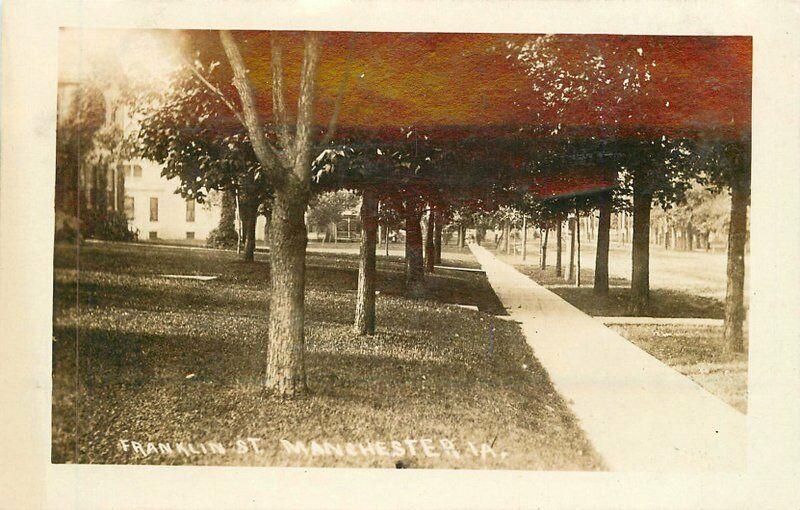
639 414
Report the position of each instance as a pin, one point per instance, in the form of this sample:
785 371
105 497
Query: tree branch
278 104
266 154
305 107
216 91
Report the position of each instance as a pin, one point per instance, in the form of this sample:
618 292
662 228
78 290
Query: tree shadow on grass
548 277
663 303
104 358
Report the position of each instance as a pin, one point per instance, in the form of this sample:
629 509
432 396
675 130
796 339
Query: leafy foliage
190 131
107 225
79 120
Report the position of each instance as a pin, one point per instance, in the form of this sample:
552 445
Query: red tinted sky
401 79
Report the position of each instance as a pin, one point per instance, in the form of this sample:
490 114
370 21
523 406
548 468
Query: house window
129 208
153 209
153 235
190 210
126 169
137 171
189 235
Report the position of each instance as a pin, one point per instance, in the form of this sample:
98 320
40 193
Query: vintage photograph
401 250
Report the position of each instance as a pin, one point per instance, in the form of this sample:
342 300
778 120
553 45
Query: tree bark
365 300
640 252
544 247
558 248
415 270
430 255
737 239
227 217
578 249
524 237
571 272
437 240
286 372
506 235
603 241
248 211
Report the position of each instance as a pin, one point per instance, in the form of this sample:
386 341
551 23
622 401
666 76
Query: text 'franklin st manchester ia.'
422 447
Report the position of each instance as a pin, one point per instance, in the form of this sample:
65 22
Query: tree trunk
544 248
558 248
524 237
578 248
365 300
248 212
120 191
430 255
603 241
227 217
640 253
286 372
415 270
737 239
388 233
461 236
437 240
571 271
506 235
690 236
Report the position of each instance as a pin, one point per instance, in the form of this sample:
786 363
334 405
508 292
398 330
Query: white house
155 211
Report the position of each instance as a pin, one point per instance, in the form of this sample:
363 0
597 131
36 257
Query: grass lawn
664 302
138 357
695 351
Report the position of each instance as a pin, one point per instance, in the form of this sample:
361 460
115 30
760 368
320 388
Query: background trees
80 117
326 210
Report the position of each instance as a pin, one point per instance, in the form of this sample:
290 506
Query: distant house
155 211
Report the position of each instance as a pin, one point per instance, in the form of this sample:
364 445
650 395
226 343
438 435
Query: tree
365 302
653 171
188 129
726 163
80 117
603 239
361 166
287 165
225 236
